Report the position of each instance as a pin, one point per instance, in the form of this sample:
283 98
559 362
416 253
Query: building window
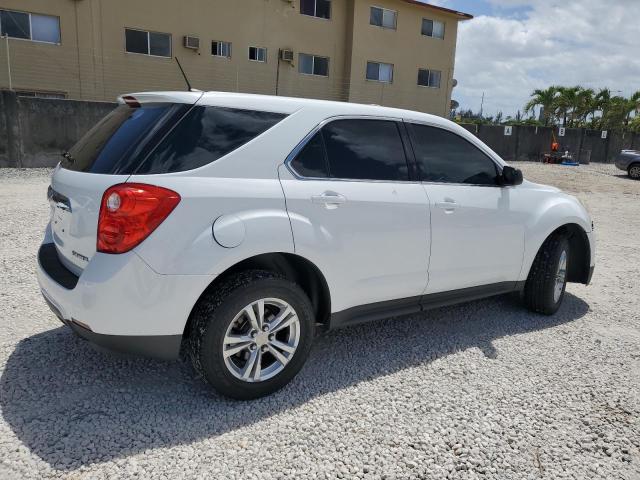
147 43
429 78
30 26
380 72
221 49
257 54
432 28
313 65
316 8
382 17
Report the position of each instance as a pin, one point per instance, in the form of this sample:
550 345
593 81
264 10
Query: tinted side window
443 156
365 150
204 135
312 161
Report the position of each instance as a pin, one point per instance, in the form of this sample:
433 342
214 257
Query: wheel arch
293 267
635 163
579 250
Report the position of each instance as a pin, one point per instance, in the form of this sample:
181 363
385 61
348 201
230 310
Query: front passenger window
445 157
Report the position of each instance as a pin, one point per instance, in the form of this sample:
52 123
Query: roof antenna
189 87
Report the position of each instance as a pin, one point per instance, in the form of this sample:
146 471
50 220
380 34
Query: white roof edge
287 105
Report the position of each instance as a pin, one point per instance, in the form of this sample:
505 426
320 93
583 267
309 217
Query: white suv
235 225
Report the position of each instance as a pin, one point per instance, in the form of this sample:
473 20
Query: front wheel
547 281
251 335
634 171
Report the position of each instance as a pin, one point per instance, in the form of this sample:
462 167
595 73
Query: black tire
541 283
634 171
216 310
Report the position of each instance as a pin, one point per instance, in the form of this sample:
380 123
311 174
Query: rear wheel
634 171
251 335
547 281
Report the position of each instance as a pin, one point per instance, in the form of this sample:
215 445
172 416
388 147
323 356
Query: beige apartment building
388 52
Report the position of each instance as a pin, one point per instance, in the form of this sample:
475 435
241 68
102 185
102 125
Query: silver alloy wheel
561 276
261 340
634 172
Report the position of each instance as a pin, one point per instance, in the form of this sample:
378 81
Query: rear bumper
120 303
163 347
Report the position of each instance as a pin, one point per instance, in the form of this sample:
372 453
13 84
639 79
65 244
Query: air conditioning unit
191 42
286 55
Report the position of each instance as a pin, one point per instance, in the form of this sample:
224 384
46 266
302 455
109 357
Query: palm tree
566 103
603 104
634 106
618 110
631 105
573 106
585 105
545 99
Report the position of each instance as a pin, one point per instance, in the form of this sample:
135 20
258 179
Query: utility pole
482 105
6 38
278 71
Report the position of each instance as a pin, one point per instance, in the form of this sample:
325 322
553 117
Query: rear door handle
329 199
447 205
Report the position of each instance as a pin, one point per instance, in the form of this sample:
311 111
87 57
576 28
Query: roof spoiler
135 100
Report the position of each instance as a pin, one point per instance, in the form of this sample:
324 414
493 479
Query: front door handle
329 199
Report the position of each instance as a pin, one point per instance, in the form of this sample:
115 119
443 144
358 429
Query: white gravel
482 390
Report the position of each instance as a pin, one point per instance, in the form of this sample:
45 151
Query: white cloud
592 43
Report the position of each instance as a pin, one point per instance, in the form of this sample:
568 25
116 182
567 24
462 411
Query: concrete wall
34 131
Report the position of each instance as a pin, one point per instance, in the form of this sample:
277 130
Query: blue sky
483 7
512 47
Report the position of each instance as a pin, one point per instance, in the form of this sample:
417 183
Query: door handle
447 205
329 199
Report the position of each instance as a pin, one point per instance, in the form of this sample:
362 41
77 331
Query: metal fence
522 143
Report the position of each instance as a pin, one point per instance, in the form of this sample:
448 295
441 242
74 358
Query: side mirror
511 176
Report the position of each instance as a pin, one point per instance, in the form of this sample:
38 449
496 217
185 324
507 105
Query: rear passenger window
205 135
445 157
312 161
365 150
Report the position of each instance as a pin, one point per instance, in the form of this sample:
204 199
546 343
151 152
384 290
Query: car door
357 214
477 231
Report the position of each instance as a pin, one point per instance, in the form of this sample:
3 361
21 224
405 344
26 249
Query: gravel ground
482 390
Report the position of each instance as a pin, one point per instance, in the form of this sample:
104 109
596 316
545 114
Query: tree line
571 107
575 107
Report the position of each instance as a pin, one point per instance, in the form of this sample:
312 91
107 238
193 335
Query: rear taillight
129 212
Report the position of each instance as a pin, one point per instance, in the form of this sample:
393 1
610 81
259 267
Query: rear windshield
121 139
146 140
